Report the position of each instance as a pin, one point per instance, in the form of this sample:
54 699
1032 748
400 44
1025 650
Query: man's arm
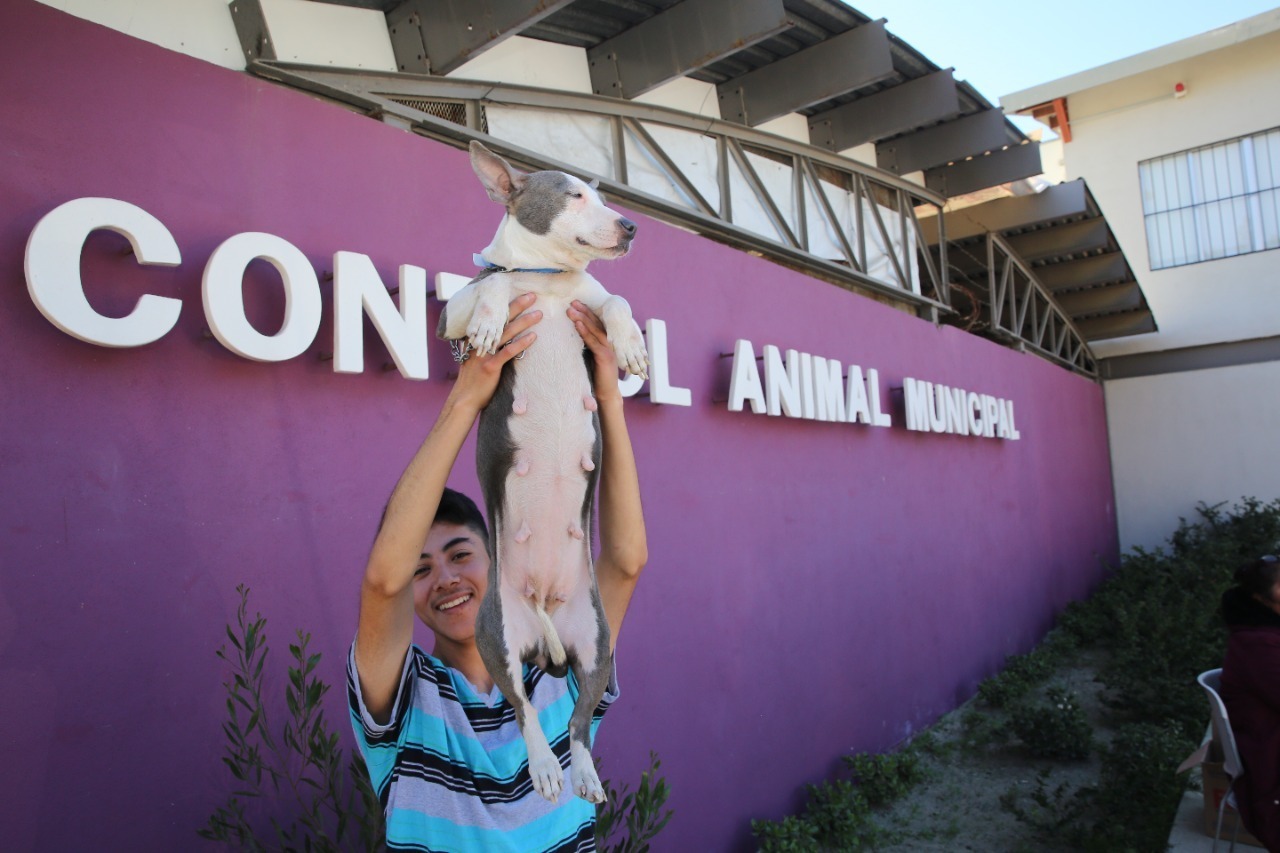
386 596
624 550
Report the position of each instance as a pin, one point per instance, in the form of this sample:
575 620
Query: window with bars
1213 202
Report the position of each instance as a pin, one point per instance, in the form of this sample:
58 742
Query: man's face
450 582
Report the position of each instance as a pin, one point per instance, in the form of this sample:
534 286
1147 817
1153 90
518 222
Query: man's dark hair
1258 577
457 508
454 508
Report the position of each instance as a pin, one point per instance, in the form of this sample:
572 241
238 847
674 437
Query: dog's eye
575 195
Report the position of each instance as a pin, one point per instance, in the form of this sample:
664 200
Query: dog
539 447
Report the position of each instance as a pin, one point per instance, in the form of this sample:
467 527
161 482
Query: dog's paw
582 773
545 772
485 329
630 351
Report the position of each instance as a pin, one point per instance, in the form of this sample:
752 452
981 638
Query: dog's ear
501 180
595 184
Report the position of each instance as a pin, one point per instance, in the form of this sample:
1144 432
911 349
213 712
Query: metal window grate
1212 202
451 111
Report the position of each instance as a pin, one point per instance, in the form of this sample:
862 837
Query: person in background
1251 692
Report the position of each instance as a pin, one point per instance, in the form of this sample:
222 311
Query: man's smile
451 603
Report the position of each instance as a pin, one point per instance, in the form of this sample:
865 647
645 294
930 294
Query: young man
440 741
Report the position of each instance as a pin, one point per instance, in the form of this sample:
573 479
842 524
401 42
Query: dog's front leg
478 312
623 331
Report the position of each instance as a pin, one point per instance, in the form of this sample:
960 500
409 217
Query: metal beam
1117 325
955 140
683 38
988 170
843 63
457 31
922 101
1086 272
404 25
1099 300
1087 235
252 30
1061 201
1207 357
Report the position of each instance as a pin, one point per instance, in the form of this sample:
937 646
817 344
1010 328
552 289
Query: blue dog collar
480 261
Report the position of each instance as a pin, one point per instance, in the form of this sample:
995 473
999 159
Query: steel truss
887 215
1022 311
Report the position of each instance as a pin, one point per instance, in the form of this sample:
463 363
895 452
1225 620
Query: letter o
223 291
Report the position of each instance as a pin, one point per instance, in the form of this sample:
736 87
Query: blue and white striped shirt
451 768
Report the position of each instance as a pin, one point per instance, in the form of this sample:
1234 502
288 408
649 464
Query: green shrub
626 822
792 834
1140 789
1056 730
881 779
308 797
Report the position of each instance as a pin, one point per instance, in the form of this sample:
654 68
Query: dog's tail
555 649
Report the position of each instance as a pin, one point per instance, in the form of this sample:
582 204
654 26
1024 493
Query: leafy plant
627 822
792 834
839 814
1057 730
294 782
882 779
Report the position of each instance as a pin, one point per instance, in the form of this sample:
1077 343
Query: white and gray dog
539 447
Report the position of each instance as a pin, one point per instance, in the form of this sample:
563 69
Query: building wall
1167 444
814 588
1230 92
1180 439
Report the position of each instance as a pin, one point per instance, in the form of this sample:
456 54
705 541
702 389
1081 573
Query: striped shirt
451 768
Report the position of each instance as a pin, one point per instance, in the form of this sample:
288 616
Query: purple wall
813 589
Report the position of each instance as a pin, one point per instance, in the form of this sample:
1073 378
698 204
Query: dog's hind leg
501 642
583 626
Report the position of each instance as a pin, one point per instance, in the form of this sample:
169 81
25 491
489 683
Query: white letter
879 418
1002 420
660 388
827 390
782 385
975 414
358 290
990 409
856 405
224 297
938 408
745 382
53 271
1013 429
915 397
447 284
957 421
806 385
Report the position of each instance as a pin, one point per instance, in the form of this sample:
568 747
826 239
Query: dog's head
555 206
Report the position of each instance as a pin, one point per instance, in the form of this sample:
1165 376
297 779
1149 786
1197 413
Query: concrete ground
1188 834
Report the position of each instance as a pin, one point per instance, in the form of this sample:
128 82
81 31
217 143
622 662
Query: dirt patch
971 763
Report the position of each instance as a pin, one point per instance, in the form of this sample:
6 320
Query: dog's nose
628 226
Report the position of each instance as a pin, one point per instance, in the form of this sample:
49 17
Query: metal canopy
1061 240
451 32
843 63
1040 272
855 81
920 102
678 40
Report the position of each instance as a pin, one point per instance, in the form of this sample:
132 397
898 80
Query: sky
1003 46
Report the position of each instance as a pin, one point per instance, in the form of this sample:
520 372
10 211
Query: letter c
52 264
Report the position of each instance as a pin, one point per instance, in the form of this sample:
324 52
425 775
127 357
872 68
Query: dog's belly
552 427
